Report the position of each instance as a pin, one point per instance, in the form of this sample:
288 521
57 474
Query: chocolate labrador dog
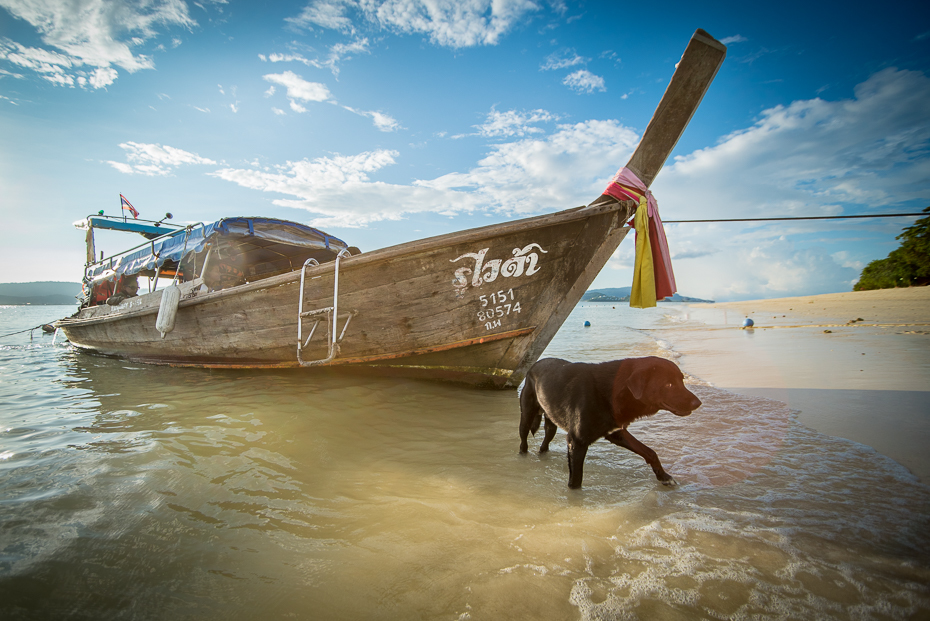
591 401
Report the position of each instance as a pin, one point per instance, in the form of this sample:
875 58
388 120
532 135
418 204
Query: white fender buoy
168 309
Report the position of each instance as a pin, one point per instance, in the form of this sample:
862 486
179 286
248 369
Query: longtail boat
477 306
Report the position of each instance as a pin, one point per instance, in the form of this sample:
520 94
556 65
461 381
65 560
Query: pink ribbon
626 186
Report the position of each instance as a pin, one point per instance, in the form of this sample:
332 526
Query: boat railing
331 313
113 260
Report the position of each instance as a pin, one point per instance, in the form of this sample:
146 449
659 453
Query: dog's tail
530 411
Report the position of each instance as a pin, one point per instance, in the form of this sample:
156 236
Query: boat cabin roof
250 240
147 228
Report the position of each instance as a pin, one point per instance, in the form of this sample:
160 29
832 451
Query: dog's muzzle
685 409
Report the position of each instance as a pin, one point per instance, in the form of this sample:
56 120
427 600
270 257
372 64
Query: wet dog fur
593 401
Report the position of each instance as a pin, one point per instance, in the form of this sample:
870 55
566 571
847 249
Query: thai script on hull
523 263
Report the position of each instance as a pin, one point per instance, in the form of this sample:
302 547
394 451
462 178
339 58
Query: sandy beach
855 365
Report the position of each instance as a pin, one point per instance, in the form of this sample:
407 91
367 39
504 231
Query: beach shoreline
854 365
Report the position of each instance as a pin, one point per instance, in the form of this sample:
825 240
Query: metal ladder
331 313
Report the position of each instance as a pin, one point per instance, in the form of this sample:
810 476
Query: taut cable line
879 215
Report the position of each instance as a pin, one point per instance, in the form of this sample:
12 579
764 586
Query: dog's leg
624 438
530 413
576 455
551 428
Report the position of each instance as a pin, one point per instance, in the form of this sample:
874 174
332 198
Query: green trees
907 265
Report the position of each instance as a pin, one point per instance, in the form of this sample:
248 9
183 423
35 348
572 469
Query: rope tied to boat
653 278
41 326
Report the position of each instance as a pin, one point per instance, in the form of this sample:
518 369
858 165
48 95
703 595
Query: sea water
137 492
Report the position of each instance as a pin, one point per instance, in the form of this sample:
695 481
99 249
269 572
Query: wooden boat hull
476 306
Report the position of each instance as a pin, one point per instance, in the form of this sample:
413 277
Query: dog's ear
637 383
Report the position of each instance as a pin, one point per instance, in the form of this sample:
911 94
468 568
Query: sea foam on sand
855 365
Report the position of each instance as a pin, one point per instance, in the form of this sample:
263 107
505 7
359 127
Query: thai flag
127 206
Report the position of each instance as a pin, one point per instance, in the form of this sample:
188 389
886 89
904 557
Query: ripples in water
144 492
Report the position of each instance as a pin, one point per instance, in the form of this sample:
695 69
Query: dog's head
659 383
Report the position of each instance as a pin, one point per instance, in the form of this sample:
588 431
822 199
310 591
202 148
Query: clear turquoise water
134 492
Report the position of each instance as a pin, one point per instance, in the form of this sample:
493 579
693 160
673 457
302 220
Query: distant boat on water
477 306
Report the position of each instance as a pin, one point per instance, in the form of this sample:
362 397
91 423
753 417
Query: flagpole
121 210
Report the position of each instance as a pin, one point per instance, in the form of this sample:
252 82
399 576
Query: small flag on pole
127 206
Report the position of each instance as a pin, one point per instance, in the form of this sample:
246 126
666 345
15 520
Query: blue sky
385 122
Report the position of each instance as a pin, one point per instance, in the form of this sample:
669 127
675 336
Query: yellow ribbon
643 294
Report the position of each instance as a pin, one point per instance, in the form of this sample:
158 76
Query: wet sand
855 365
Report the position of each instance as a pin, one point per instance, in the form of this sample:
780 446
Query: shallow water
141 492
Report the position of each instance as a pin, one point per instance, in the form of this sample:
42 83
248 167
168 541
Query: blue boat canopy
251 240
147 228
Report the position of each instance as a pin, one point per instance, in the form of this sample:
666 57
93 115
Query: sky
383 122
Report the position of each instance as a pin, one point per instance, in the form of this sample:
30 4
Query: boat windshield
247 248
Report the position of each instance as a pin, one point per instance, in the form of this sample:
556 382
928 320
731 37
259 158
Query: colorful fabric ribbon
653 278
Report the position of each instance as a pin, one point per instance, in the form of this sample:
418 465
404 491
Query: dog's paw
670 482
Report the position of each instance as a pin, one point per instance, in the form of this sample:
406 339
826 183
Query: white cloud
455 23
337 53
299 89
861 155
867 154
451 23
734 39
122 167
155 159
843 258
760 262
566 169
61 79
344 51
325 14
97 34
581 80
103 76
514 123
563 60
383 122
285 58
336 188
584 81
569 168
813 155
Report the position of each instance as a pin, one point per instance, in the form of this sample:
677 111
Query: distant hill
622 294
607 295
40 293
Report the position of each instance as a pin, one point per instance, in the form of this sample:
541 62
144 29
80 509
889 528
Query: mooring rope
21 331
